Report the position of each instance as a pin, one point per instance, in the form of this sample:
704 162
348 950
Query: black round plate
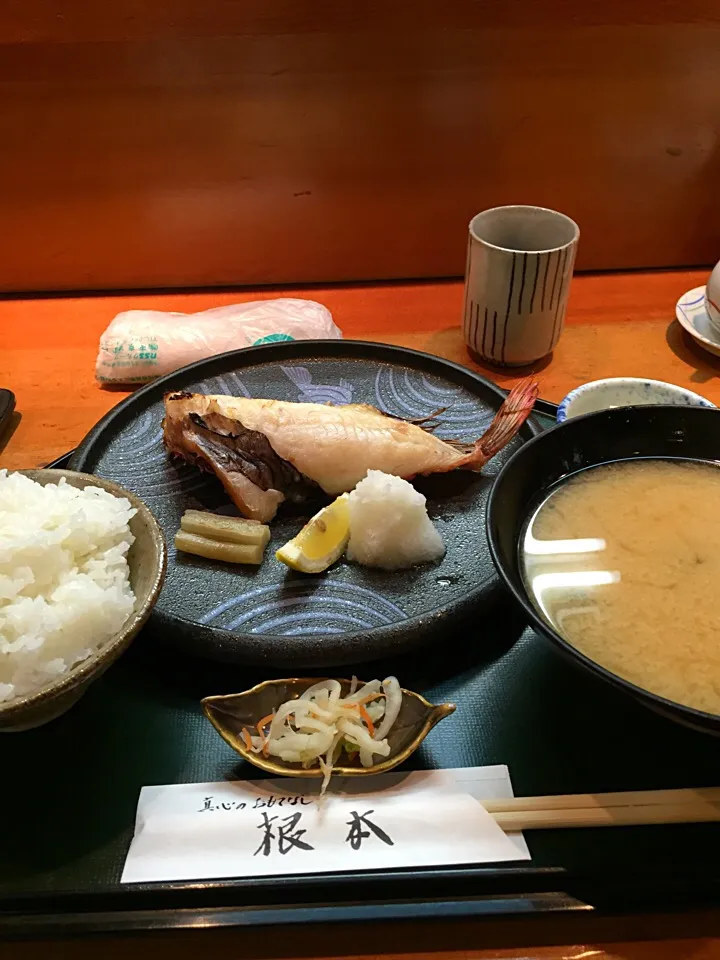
270 615
621 434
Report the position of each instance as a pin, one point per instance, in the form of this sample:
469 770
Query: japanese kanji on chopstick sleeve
245 828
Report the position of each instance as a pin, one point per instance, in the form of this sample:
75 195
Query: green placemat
71 788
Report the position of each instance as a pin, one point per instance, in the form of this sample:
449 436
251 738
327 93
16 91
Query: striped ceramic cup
517 279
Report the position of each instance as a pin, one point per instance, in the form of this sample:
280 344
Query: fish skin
205 444
335 446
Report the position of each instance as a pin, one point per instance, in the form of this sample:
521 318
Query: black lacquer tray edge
521 895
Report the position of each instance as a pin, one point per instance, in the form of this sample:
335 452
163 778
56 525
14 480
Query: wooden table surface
207 944
618 324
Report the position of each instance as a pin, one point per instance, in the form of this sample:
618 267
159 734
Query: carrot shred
366 717
261 724
246 738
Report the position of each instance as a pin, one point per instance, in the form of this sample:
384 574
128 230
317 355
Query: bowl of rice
82 562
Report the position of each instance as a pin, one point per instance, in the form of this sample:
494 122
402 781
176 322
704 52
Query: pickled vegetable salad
321 723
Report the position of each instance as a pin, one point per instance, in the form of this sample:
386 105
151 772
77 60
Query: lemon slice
321 541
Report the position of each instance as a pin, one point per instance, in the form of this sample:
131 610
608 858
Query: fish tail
508 420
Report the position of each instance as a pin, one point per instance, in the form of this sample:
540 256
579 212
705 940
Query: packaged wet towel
140 345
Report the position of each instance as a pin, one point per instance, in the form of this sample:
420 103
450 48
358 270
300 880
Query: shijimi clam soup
623 561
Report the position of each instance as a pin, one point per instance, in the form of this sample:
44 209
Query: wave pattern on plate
411 394
312 605
139 461
228 384
142 428
308 391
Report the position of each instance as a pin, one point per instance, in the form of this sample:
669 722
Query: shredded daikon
321 723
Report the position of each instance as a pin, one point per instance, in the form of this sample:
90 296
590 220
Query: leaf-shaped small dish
229 714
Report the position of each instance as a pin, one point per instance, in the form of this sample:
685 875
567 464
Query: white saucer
692 316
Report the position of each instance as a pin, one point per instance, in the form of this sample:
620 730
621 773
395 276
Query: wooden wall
193 142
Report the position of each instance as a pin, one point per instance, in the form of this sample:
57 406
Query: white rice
64 578
389 524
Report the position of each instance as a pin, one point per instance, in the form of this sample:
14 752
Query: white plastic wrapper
140 345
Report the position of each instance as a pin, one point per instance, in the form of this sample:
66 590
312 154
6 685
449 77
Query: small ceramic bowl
625 392
147 561
229 714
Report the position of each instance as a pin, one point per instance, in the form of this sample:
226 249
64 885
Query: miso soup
623 561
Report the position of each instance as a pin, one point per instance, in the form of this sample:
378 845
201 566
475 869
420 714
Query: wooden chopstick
607 809
628 798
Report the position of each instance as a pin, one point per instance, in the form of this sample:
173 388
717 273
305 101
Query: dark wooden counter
199 142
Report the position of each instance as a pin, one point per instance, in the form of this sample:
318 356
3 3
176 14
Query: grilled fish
268 451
